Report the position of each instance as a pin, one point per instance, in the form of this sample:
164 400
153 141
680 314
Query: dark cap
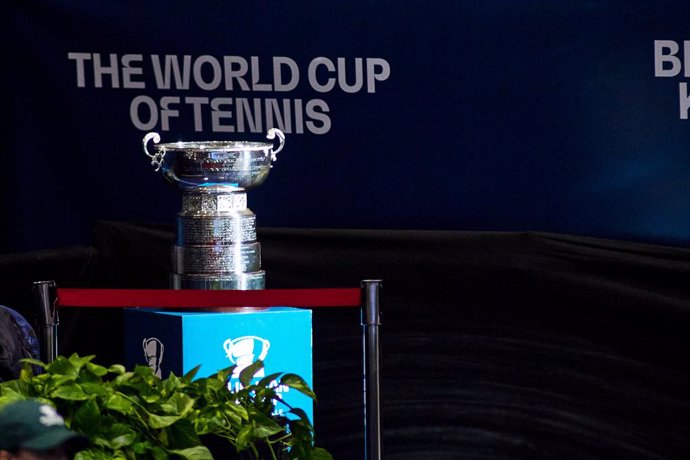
35 426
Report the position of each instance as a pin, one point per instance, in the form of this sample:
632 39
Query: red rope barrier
190 298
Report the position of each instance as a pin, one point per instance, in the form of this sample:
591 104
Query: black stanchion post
371 320
47 319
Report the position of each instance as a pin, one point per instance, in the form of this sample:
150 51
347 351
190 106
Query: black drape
494 345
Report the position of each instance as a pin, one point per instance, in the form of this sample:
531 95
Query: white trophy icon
153 351
242 352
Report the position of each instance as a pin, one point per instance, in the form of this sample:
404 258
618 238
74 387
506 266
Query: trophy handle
264 350
156 158
228 346
272 133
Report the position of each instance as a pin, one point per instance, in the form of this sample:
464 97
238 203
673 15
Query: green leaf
178 404
151 396
302 431
189 376
34 362
193 453
216 418
159 453
26 374
80 361
300 413
87 418
94 388
182 435
171 383
141 447
162 421
96 369
298 383
215 382
266 381
118 369
56 380
11 392
264 426
248 372
119 403
321 454
144 371
62 366
92 454
244 437
117 436
72 392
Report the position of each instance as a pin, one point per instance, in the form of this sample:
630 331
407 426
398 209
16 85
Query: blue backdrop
563 116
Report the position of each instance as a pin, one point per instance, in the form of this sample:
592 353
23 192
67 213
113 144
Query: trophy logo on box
215 233
242 352
153 352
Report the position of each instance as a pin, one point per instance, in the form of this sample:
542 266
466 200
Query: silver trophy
215 233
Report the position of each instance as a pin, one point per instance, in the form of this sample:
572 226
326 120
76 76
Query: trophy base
215 259
229 228
232 281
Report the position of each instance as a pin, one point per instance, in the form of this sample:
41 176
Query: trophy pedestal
236 281
177 341
216 245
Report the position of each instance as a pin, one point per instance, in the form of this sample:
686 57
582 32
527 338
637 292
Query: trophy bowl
214 163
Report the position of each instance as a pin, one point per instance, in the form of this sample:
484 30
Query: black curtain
494 345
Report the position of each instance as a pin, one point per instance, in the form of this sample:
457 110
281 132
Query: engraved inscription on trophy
215 232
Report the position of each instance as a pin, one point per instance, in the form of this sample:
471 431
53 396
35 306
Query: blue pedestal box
174 341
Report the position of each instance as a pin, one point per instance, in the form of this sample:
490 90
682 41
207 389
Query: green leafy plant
136 415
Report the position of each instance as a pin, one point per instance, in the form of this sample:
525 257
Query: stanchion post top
371 312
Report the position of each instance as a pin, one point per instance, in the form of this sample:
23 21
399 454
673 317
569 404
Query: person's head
30 430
